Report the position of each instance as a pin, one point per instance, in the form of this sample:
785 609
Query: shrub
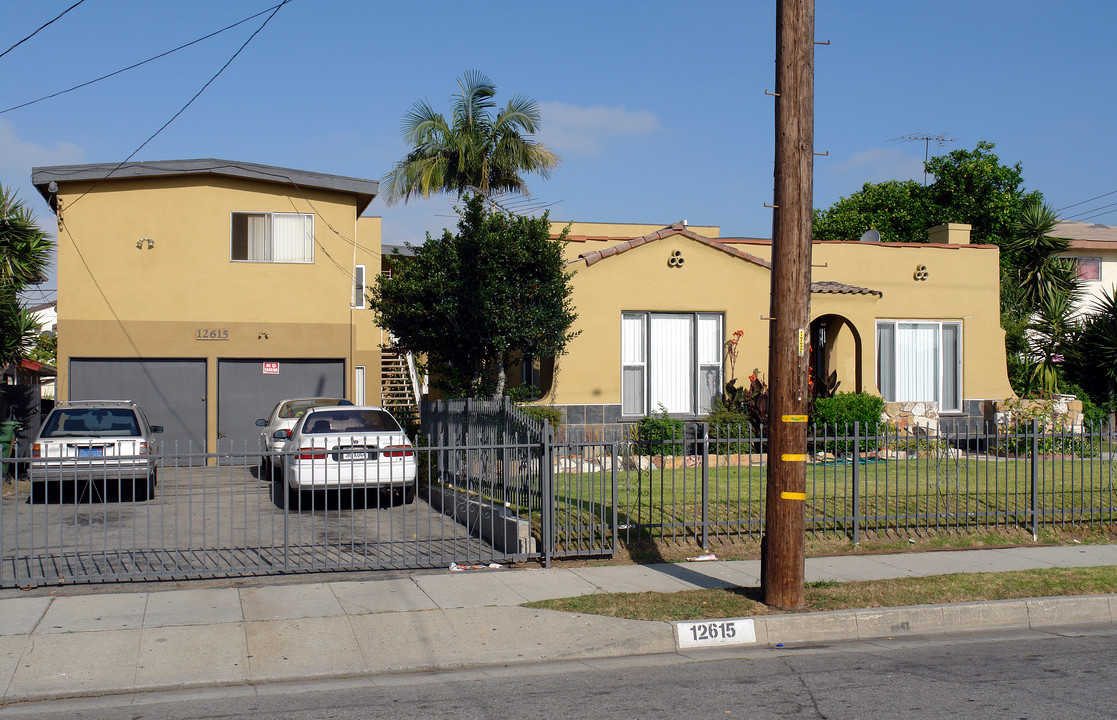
660 434
834 416
730 431
550 413
848 408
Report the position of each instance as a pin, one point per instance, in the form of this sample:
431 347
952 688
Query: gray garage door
172 393
249 389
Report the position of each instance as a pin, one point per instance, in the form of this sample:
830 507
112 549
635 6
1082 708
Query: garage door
172 393
249 389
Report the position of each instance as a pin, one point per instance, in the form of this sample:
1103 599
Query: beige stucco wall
117 300
959 283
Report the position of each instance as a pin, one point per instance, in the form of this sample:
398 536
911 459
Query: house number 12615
211 334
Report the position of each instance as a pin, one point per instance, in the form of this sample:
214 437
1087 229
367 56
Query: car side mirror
282 434
261 423
156 428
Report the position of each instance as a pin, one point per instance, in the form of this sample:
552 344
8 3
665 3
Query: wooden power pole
782 550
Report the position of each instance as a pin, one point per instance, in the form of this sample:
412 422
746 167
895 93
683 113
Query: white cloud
877 165
17 157
578 130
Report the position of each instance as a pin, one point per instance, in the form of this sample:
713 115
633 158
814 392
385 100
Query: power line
136 65
13 47
183 108
1065 207
1097 212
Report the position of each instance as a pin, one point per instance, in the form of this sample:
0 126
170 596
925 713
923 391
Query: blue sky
657 108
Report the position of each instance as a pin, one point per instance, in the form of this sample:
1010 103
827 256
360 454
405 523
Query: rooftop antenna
940 140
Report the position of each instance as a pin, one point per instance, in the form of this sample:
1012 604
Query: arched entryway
836 354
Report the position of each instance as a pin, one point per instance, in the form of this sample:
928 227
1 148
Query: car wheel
409 495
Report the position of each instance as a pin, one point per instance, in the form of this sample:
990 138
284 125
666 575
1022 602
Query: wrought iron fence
501 488
885 481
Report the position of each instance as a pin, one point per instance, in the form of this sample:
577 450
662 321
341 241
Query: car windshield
350 421
91 422
296 408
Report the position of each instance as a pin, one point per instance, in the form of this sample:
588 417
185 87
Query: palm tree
24 255
474 150
1042 273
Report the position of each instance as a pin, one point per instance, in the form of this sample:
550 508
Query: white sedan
349 447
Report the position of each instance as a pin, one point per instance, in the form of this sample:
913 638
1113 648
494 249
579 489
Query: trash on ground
454 567
703 558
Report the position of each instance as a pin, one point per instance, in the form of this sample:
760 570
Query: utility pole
782 550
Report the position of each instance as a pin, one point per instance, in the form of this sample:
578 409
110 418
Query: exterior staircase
397 384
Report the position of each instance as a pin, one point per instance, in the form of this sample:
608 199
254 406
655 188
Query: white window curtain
259 232
671 372
292 237
917 362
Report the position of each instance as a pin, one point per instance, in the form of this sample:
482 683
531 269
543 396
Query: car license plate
356 455
91 452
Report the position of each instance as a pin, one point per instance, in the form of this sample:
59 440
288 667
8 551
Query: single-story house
918 323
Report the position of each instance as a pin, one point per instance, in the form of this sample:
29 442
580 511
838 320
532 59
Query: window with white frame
273 237
670 360
359 286
920 361
1089 268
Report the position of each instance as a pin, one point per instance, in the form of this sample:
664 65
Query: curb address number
740 631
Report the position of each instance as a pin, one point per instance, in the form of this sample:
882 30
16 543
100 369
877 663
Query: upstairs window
1089 268
359 287
273 237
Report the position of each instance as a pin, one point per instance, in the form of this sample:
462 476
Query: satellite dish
871 235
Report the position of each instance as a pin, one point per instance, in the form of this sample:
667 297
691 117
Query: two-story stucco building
206 290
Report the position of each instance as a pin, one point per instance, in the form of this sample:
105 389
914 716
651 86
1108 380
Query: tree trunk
498 359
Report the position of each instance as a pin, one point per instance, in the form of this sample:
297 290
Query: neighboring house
1094 248
916 323
206 290
46 315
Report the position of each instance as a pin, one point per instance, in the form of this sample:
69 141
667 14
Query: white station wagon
349 447
105 441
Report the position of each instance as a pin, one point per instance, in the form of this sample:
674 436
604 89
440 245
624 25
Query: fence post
856 479
616 497
547 481
704 432
1035 479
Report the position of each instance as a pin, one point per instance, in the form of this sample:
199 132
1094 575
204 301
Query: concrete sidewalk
67 644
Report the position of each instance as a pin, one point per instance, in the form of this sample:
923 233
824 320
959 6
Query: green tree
24 256
474 149
45 349
897 209
1040 273
1092 356
473 301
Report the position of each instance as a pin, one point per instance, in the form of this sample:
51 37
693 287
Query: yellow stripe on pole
793 496
787 457
795 418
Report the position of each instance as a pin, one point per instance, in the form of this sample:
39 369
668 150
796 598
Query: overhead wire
143 62
1067 207
13 47
183 108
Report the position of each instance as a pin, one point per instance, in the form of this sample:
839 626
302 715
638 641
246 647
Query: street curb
922 620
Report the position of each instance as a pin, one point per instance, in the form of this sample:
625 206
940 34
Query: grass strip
832 595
